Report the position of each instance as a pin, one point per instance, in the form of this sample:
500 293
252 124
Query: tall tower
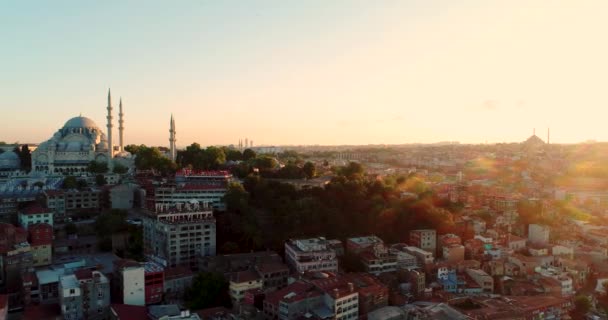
121 127
172 151
548 136
109 117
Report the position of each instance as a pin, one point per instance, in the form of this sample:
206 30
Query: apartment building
312 254
180 234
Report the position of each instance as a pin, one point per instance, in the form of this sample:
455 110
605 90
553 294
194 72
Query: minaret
109 117
172 152
548 136
121 127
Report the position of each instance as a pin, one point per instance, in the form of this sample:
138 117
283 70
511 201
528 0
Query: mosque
79 142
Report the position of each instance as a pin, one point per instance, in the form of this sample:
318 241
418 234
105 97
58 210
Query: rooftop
127 312
69 282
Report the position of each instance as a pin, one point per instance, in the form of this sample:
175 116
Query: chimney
351 287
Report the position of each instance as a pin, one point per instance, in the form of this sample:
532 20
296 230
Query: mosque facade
80 141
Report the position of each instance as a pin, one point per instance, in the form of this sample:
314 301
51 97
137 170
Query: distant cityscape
94 229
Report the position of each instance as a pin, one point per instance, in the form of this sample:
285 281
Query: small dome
80 122
102 145
9 155
9 160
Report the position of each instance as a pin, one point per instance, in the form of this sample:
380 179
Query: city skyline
340 73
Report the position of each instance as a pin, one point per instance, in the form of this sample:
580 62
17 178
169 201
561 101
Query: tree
148 158
98 167
236 198
229 248
249 154
133 149
70 228
582 305
70 182
119 169
208 290
265 162
100 180
25 157
309 170
233 155
111 222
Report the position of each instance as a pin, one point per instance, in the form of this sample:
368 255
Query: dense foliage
148 158
264 213
208 290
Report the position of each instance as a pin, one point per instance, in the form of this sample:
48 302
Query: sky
308 72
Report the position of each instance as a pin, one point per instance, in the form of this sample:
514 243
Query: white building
34 214
84 295
131 278
313 254
423 257
425 239
538 234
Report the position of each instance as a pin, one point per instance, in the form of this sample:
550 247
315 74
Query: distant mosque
534 143
79 142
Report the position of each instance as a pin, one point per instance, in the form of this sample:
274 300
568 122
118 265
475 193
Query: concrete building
65 203
177 280
447 240
121 196
374 255
538 234
453 253
322 300
33 214
484 280
206 187
154 277
425 239
179 235
242 282
15 264
312 254
417 281
41 243
423 257
129 282
84 295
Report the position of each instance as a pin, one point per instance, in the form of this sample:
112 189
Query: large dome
80 122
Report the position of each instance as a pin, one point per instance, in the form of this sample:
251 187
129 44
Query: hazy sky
308 72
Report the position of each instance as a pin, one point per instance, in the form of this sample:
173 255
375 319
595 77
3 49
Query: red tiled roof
42 312
271 267
52 193
83 274
244 276
296 288
34 208
213 312
201 187
128 312
177 272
